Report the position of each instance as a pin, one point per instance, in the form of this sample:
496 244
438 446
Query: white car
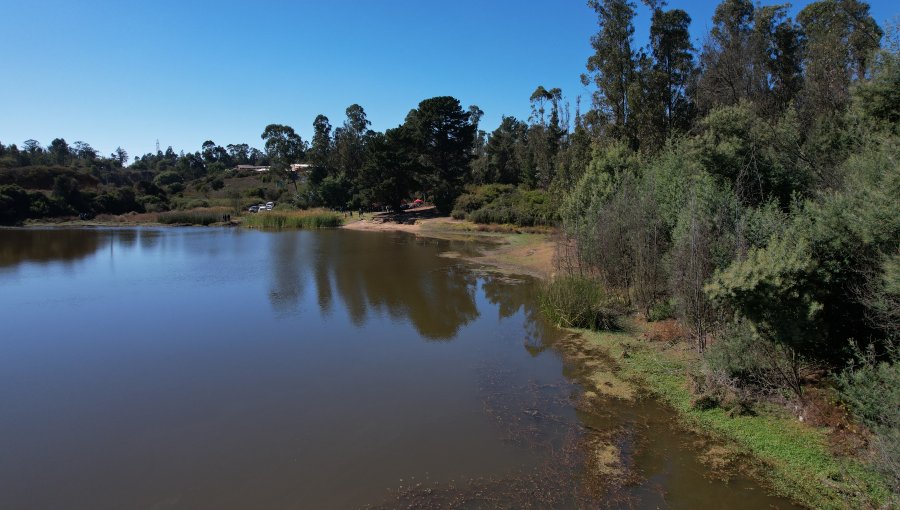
270 206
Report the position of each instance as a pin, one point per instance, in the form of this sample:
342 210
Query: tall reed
281 220
578 302
204 216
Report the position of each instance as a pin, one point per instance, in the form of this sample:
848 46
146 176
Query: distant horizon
186 74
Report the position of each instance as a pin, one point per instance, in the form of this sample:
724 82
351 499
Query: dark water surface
227 368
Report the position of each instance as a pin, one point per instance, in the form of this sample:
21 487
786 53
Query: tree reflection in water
49 245
397 276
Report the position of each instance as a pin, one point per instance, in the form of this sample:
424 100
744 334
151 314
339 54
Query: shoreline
512 250
791 458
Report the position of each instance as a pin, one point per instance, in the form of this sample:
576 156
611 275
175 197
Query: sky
122 73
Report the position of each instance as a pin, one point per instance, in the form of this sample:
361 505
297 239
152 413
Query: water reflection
509 299
47 245
373 275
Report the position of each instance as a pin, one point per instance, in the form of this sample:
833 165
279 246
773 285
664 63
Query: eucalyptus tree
840 37
349 143
320 150
612 66
284 147
673 67
727 74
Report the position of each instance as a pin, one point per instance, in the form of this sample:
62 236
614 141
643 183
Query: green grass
795 456
192 217
280 220
577 302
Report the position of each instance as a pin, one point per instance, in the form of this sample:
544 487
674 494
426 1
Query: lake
149 368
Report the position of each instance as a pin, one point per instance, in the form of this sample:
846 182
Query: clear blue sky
129 73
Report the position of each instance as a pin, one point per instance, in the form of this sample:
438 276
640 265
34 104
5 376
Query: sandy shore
508 251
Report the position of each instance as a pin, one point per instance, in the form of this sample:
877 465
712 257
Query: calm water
227 368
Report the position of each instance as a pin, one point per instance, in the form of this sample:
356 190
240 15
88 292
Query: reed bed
287 220
201 216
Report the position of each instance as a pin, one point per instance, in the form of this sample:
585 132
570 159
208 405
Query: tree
840 37
209 151
84 151
239 153
59 151
121 157
443 135
612 64
500 162
320 151
284 148
673 64
778 41
32 146
349 142
391 170
283 144
727 71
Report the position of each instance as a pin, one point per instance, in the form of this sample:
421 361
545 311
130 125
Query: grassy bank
795 457
280 220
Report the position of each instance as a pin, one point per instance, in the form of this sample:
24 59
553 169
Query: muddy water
226 368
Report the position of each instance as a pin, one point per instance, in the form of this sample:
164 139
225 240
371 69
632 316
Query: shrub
505 204
661 310
714 388
757 362
578 302
871 388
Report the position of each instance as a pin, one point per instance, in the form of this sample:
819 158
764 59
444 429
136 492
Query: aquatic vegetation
307 220
201 216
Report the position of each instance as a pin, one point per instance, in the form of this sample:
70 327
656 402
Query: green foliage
871 388
505 204
751 154
662 310
14 204
577 302
803 287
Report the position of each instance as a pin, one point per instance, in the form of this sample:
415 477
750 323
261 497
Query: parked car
253 208
261 207
270 206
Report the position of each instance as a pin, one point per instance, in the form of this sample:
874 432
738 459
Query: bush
713 388
577 302
14 204
757 362
505 204
661 311
871 389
